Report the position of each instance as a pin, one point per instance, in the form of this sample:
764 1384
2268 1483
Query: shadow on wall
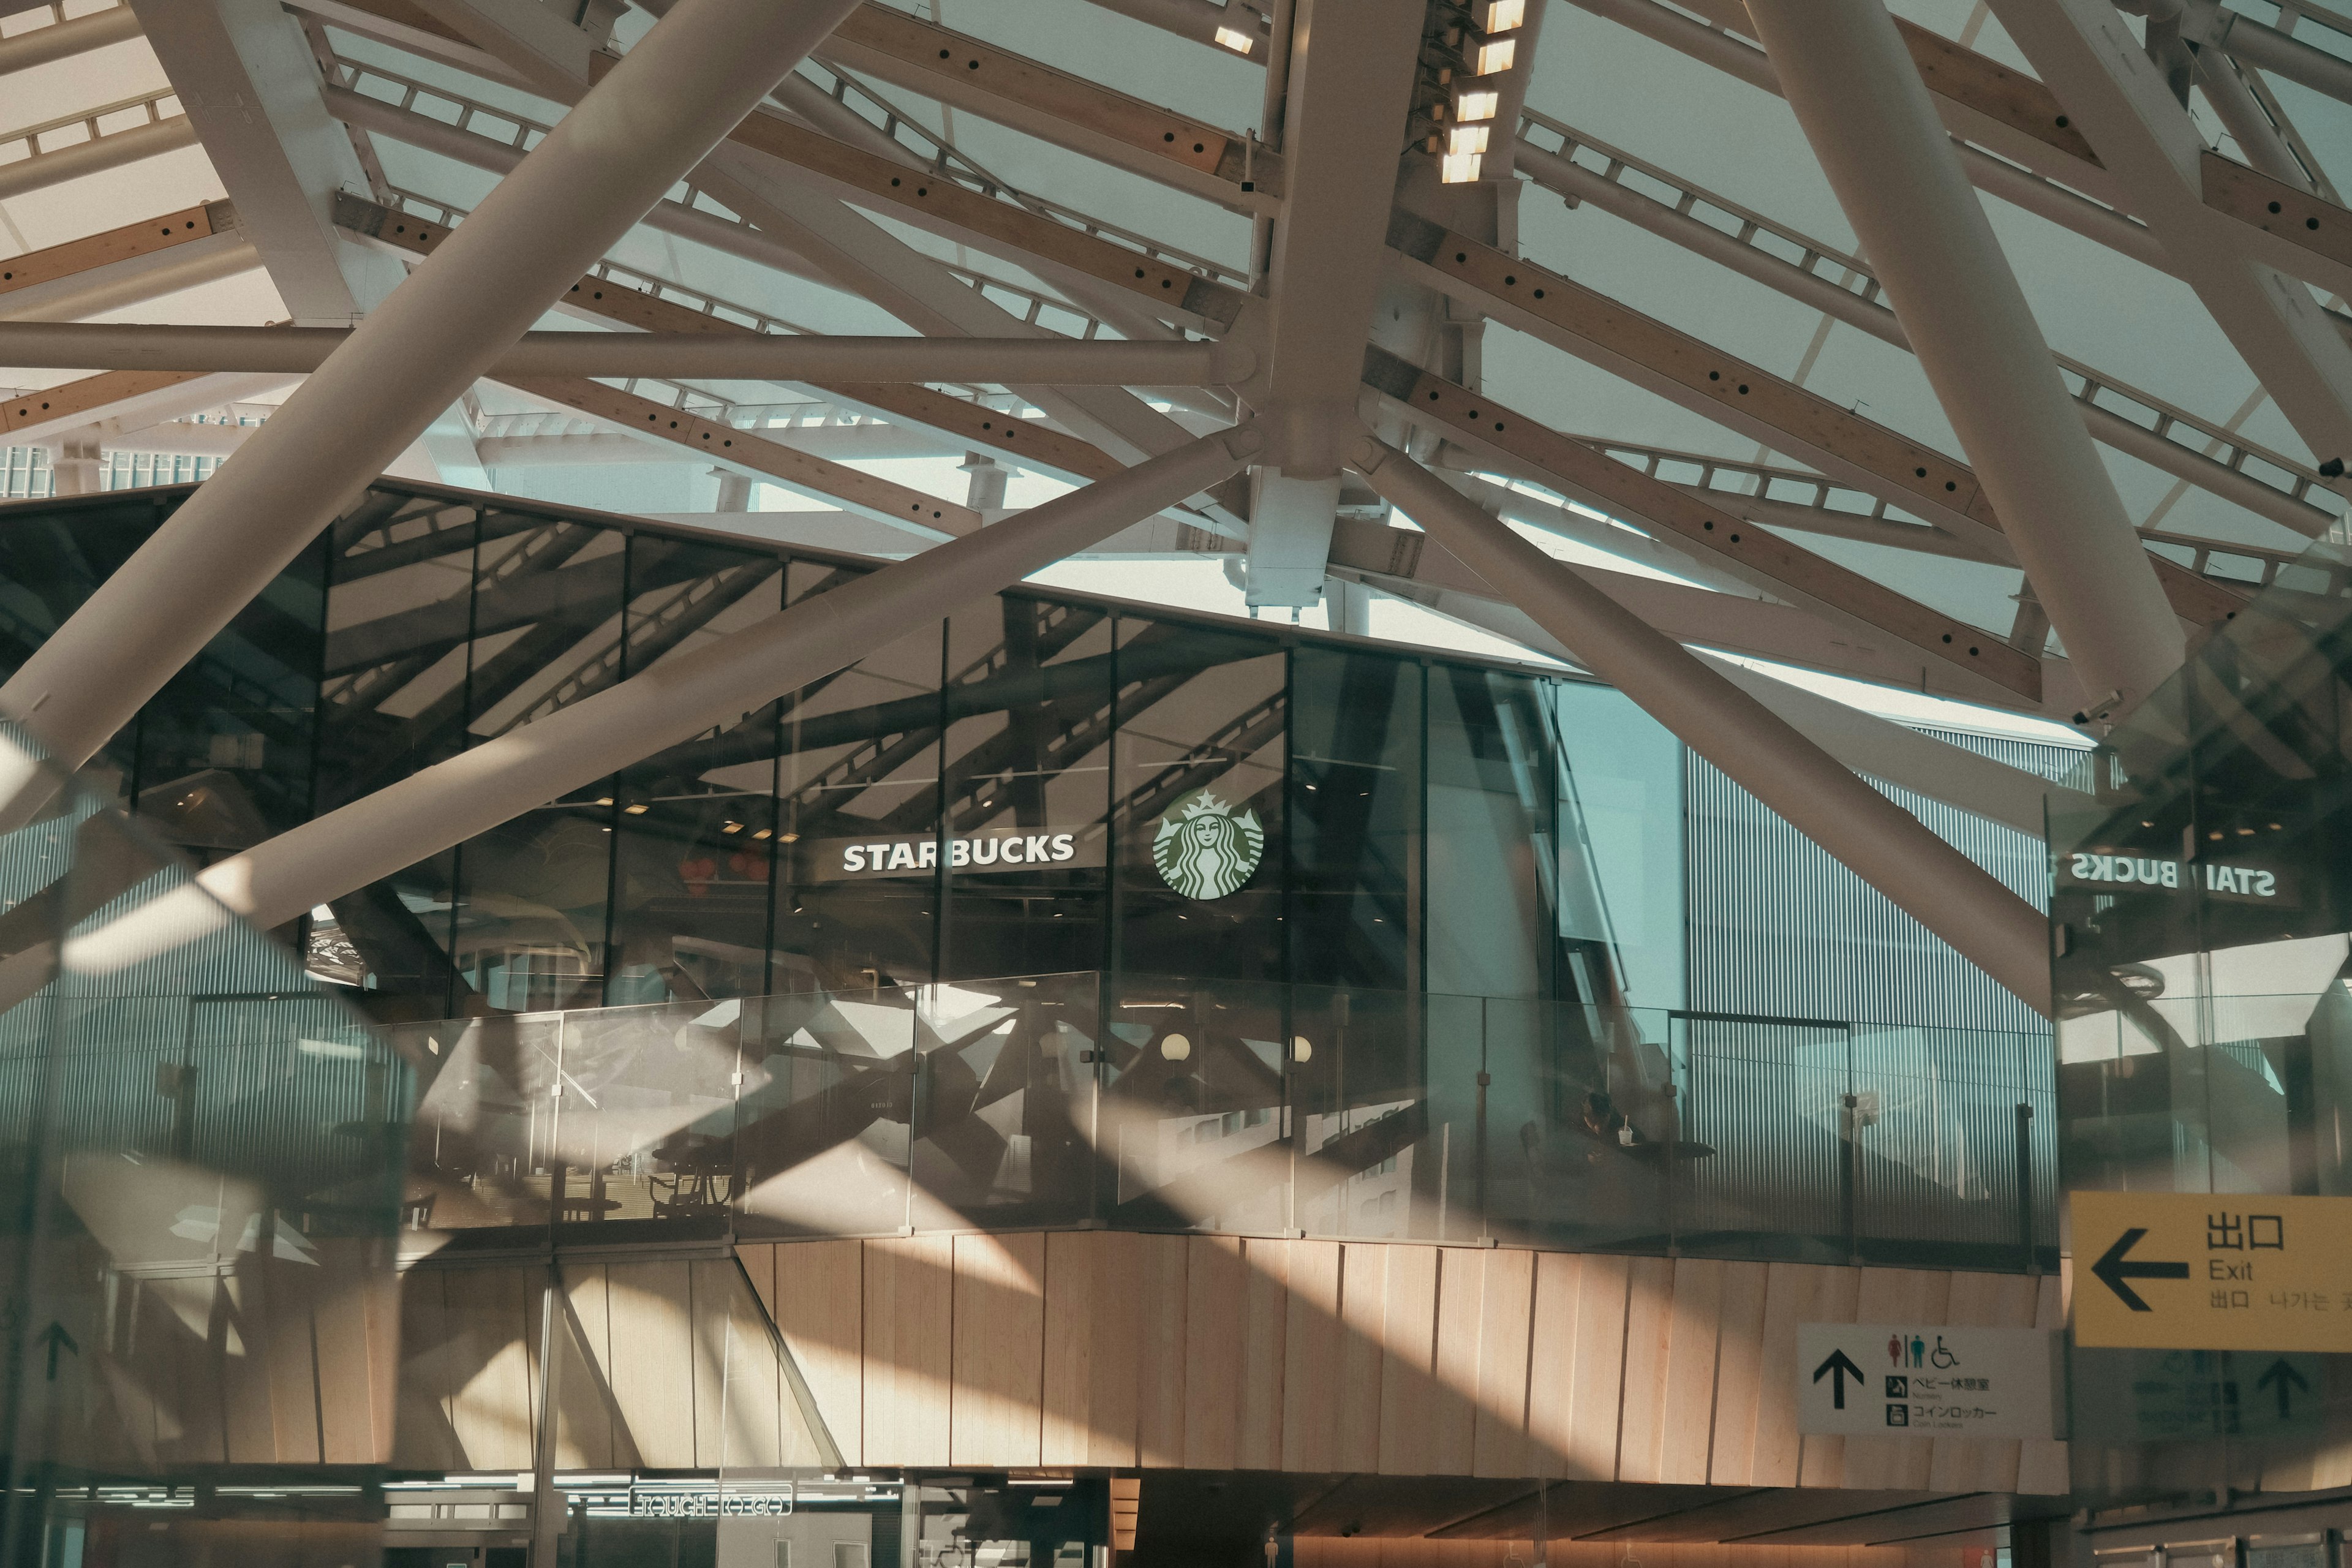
1119 1349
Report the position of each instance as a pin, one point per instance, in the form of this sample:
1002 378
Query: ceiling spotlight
1474 102
1461 141
1502 16
1458 169
638 810
1495 56
1233 39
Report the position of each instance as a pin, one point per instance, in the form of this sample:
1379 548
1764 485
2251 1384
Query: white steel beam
1880 842
64 40
711 686
1351 75
773 356
250 88
678 92
1844 70
2085 53
90 143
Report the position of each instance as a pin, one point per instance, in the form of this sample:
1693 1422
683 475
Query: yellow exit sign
2227 1271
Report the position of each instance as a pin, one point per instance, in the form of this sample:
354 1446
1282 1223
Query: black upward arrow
2280 1375
2113 1270
1837 1369
58 1338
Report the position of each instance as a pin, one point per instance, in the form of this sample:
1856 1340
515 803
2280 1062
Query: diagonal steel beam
1701 377
802 472
1755 556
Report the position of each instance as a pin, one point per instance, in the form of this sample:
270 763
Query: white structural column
685 86
1880 842
1845 71
1351 72
2090 59
711 686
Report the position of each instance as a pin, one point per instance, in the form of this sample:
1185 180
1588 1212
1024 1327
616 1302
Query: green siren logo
1204 850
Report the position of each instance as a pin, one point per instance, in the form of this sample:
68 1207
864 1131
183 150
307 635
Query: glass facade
1067 911
2204 1040
201 1148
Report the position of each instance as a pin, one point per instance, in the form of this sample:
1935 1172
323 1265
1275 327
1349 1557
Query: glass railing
1129 1101
200 1158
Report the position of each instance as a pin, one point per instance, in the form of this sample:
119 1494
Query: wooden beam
1013 90
1033 445
1697 375
1757 555
804 471
132 239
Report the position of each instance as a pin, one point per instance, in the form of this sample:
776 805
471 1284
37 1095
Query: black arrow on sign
2113 1270
2280 1375
56 1338
1837 1369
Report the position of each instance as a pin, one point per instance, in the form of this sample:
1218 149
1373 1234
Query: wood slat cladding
1206 1352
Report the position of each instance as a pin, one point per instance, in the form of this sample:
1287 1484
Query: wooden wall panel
1363 1306
349 1344
494 1402
817 1297
282 1347
1689 1404
1408 1419
908 1309
1092 1344
1598 1378
996 1411
1159 1382
1740 1370
1115 1350
1313 1353
1918 1297
1649 1350
1454 1397
739 1389
652 1368
1266 1307
1500 1447
1214 1290
1825 1295
1551 1362
584 1401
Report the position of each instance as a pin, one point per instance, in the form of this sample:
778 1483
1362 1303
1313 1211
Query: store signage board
2225 1272
1912 1380
2181 1396
889 855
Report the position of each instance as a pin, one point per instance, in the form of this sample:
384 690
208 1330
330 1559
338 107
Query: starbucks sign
1205 851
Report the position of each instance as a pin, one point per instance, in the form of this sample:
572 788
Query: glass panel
1192 1099
547 630
1357 807
1197 811
398 653
859 790
1028 781
827 1103
694 841
203 1154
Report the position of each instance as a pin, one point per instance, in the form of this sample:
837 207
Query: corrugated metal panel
1777 927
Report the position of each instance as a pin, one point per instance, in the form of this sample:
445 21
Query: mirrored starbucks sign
1204 849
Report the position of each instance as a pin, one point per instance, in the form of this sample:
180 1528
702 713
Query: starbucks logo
1204 850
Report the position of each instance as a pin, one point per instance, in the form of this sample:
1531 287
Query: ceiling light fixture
1459 168
1496 56
1502 16
1460 140
1475 102
1233 39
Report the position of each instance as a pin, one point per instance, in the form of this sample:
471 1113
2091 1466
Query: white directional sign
1896 1379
